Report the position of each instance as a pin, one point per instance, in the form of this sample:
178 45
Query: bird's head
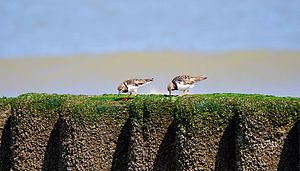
122 88
171 86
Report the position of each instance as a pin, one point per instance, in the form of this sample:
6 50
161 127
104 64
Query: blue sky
50 27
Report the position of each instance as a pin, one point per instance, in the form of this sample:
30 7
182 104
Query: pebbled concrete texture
206 137
88 146
152 134
5 135
264 131
29 138
97 144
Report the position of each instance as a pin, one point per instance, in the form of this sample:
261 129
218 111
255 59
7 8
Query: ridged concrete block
206 136
5 135
265 134
152 136
30 134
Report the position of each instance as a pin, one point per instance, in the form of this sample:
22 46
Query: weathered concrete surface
5 136
289 156
153 133
212 149
5 113
29 139
93 143
263 129
90 146
206 138
152 137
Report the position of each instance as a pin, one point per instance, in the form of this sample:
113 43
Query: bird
184 83
132 85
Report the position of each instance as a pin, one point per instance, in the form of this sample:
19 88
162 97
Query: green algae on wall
151 145
263 126
203 120
150 132
42 125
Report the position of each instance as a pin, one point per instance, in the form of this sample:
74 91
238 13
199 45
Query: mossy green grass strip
188 110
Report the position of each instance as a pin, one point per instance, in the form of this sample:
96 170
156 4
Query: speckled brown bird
184 83
132 85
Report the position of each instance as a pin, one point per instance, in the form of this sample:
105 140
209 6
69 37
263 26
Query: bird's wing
183 79
136 82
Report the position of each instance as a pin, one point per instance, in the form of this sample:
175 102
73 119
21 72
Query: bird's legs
183 93
187 91
135 93
130 93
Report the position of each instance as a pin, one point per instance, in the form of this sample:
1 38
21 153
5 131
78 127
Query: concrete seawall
150 132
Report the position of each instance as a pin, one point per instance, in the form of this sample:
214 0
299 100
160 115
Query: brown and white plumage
184 83
132 85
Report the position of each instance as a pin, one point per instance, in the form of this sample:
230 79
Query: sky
37 28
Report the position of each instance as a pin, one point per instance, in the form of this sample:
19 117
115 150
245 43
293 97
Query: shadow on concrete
120 156
52 153
5 151
166 156
226 158
289 158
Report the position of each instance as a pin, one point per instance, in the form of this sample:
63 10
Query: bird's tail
199 78
148 80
